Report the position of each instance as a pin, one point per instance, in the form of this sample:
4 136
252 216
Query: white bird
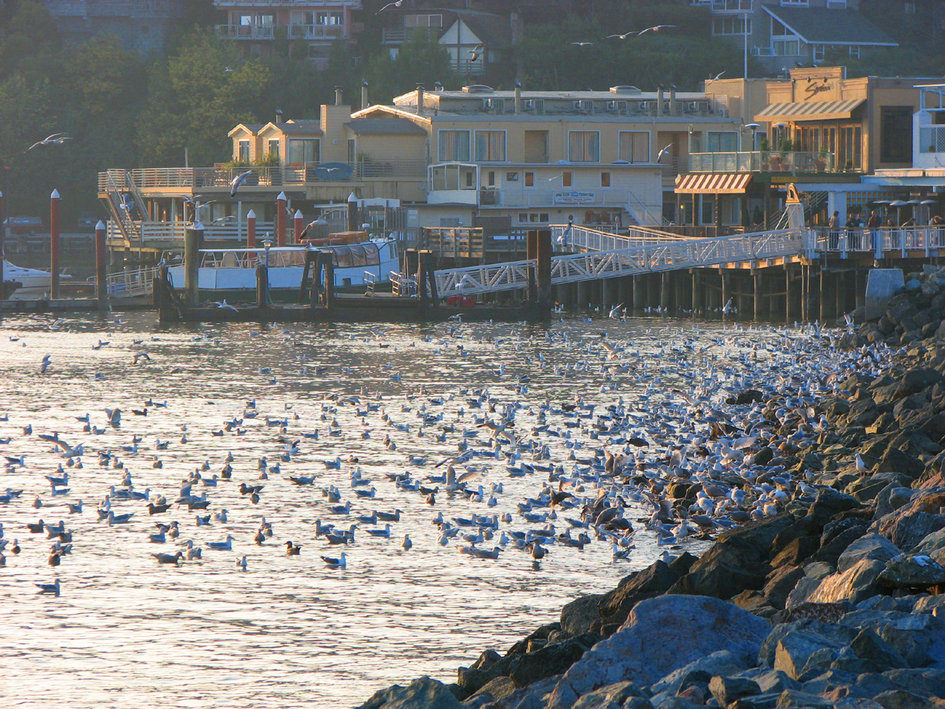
52 588
339 563
582 44
717 76
663 151
395 3
237 181
615 311
655 28
860 463
223 305
729 307
54 139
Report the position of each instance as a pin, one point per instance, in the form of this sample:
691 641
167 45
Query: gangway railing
929 240
128 284
668 255
571 237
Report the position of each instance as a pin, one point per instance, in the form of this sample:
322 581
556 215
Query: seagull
237 181
339 563
54 139
655 28
395 3
717 76
582 44
169 558
476 52
141 356
663 151
241 563
729 307
52 588
615 311
223 305
621 36
45 364
227 69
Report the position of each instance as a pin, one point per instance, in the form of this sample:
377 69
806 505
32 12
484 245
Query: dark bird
292 549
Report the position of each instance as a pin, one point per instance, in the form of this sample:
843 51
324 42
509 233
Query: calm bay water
289 631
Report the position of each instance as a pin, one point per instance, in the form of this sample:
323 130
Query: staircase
120 210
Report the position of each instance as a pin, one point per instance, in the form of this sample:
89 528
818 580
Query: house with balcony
139 25
537 157
817 129
783 34
257 24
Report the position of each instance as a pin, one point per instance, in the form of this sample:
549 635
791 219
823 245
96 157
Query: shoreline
835 599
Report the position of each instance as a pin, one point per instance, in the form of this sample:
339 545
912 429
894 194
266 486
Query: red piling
54 244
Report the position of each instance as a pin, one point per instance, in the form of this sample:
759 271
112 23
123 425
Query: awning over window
713 183
809 111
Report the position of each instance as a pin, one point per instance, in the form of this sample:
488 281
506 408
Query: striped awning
713 183
809 111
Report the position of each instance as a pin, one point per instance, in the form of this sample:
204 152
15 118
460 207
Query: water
289 631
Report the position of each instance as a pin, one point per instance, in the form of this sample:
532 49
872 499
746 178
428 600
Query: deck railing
843 241
128 284
762 161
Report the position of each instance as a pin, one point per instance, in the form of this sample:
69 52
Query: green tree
420 60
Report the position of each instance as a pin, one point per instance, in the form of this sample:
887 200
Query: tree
420 60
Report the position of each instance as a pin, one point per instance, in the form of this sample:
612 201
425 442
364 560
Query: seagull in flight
582 44
476 52
396 3
631 33
663 151
54 139
717 76
655 28
45 364
237 181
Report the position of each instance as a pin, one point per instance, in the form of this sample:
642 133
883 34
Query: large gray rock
422 693
869 546
610 697
661 635
913 522
721 662
581 614
853 585
727 689
800 650
918 637
915 571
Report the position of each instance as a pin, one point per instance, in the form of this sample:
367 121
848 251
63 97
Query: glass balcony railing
793 162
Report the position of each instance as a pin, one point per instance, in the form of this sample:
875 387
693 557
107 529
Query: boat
33 282
232 272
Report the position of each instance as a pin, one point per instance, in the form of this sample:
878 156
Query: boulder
530 697
422 693
780 583
495 689
853 585
727 689
660 635
800 649
581 614
912 571
911 523
551 659
721 662
610 697
614 607
918 637
869 546
877 652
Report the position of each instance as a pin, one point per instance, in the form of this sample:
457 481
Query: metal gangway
651 257
131 283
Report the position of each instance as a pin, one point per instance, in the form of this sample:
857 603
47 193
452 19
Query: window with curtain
273 149
490 145
633 145
454 145
583 146
301 150
243 151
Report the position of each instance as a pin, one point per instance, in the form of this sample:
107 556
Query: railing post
280 218
101 284
297 226
54 244
193 238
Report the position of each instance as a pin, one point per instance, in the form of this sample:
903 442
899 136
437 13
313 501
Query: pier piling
54 244
281 210
101 261
193 238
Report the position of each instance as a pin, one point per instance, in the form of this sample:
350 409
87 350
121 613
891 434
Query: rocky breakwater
830 598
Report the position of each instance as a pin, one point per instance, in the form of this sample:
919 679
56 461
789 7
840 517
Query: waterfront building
140 25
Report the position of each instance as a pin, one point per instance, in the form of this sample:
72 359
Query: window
605 179
454 145
848 154
490 145
529 179
566 179
301 150
895 134
490 178
836 4
795 3
352 152
788 48
721 142
243 151
633 146
855 52
583 146
730 25
908 7
273 149
411 21
536 146
329 18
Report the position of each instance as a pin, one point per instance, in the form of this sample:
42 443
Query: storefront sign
574 198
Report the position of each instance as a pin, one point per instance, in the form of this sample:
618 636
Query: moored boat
33 282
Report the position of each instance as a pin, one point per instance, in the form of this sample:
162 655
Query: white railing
566 237
927 239
128 284
669 255
174 231
793 161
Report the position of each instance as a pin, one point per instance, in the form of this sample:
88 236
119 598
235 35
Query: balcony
292 4
764 161
399 35
316 32
722 6
246 32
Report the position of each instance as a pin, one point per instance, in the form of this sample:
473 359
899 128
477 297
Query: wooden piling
543 266
54 244
724 291
531 254
756 293
193 239
262 286
664 291
328 264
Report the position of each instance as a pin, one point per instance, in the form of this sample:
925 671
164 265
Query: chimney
518 98
278 116
419 99
672 99
659 100
364 96
338 97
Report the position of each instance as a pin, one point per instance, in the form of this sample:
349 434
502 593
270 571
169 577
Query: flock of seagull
503 465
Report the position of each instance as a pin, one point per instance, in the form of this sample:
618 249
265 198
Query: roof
809 111
713 183
818 25
385 126
252 128
493 30
308 127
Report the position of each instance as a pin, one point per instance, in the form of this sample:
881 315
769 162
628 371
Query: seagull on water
51 588
339 563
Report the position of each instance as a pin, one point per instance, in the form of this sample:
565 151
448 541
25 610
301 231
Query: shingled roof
818 25
385 126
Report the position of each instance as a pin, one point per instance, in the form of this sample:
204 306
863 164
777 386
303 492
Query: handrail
128 284
845 240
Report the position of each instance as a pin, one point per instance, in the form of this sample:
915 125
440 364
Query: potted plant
821 160
271 173
764 147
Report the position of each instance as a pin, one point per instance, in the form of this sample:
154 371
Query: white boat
34 283
360 265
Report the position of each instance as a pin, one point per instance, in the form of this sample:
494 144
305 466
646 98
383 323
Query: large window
490 146
536 146
454 145
272 150
848 153
243 151
633 145
721 142
895 134
302 150
584 146
730 25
